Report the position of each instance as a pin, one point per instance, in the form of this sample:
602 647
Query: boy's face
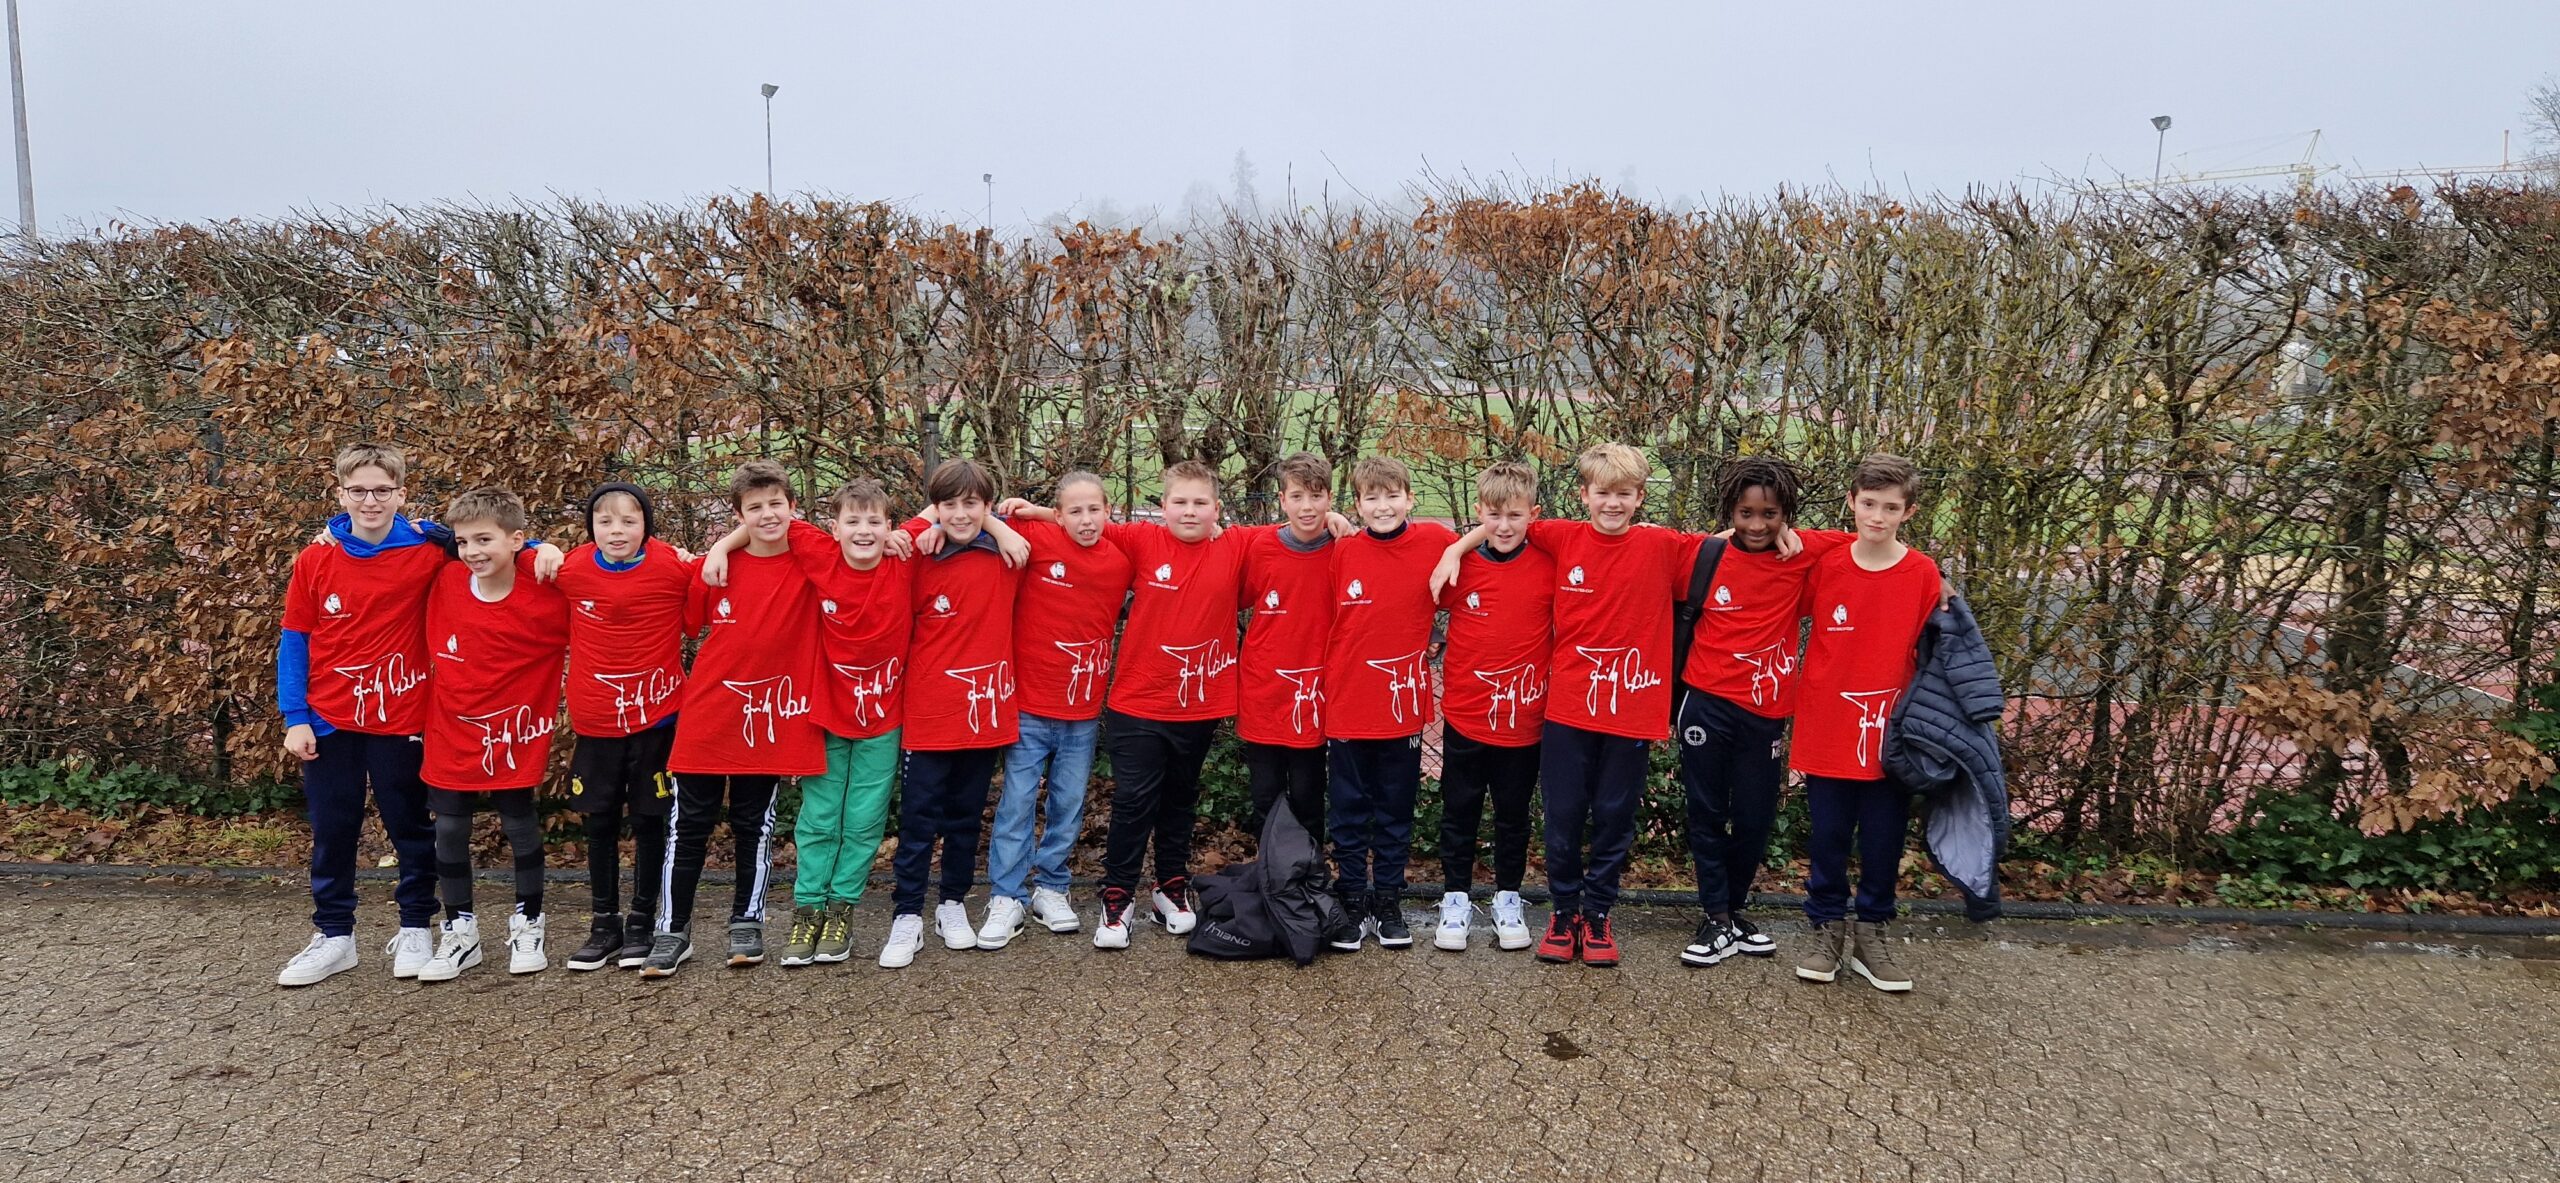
1879 513
1305 507
485 546
961 517
1383 509
1506 525
862 532
1757 519
1613 506
1082 510
766 513
619 527
1190 509
370 497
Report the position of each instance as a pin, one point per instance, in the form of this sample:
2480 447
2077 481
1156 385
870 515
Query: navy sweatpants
1870 815
1594 783
1371 812
333 788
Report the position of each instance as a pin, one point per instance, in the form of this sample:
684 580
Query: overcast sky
168 111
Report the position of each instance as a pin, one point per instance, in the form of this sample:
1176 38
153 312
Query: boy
497 643
865 617
1868 601
1174 682
1377 667
1285 584
1064 623
1610 695
959 717
1493 704
748 722
1736 694
626 593
351 670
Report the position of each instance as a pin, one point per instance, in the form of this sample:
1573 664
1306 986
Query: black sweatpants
1273 772
945 797
1469 771
1374 785
1155 795
609 777
1731 763
699 805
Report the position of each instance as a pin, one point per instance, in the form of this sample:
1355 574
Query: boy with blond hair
1493 705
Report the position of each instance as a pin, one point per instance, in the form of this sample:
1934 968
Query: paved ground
141 1037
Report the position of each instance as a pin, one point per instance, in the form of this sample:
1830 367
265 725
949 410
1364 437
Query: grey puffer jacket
1942 745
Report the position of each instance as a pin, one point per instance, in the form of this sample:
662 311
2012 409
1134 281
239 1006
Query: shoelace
832 930
1457 915
1115 904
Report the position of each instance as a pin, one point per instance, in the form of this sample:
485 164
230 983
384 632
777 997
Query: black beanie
648 520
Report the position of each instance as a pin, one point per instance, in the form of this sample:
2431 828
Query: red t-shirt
367 620
495 698
751 706
1281 696
1613 624
864 619
1178 653
1063 621
1866 631
961 686
1377 664
626 639
1745 652
1501 615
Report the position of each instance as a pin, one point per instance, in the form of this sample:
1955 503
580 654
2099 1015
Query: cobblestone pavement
141 1037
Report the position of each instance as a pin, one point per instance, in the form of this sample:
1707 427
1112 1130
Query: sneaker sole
1446 945
1694 959
310 982
1766 951
528 969
898 962
1063 926
1608 963
1386 943
1100 942
999 942
741 961
1556 958
647 972
1515 944
582 965
630 962
1860 968
830 958
1815 975
791 962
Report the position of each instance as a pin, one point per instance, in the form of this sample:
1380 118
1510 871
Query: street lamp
989 179
769 88
2159 123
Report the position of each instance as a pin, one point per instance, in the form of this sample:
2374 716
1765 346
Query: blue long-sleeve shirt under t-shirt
293 649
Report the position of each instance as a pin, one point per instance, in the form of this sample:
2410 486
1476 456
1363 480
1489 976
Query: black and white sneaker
1716 940
1755 943
1350 927
1386 919
604 939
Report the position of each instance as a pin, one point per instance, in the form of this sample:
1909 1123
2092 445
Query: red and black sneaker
1563 939
1599 945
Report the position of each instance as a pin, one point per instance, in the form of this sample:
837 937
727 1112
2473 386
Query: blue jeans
1064 748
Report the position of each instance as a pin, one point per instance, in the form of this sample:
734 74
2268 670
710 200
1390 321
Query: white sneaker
457 950
318 960
1054 910
1456 913
1004 920
525 951
1111 929
951 919
1510 925
409 950
1174 912
906 935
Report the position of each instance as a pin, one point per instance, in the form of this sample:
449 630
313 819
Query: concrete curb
2391 922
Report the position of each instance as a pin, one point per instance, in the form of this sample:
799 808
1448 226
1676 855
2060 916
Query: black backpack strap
1702 574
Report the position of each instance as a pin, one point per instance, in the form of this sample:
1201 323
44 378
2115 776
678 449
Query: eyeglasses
385 493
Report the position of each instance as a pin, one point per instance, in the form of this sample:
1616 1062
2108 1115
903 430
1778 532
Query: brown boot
1821 963
1871 955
